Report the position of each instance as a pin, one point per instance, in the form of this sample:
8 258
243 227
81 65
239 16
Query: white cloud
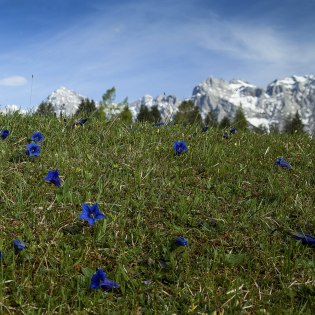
13 81
253 43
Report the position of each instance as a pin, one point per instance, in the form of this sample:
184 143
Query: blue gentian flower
18 245
83 121
91 213
33 149
109 285
4 133
204 129
226 136
158 124
181 241
37 137
304 238
53 177
283 163
97 278
80 122
233 131
180 147
1 255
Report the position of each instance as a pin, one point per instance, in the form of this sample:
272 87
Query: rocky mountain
281 99
67 102
262 107
167 105
64 101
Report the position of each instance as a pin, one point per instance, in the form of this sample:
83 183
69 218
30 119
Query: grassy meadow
226 197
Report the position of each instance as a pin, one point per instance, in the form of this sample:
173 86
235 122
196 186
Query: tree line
188 113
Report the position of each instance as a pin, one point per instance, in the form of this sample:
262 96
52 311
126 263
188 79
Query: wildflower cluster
91 213
32 148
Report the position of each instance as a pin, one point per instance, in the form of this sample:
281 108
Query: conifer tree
45 109
239 120
225 123
107 98
155 114
211 120
188 113
126 115
144 114
86 107
294 125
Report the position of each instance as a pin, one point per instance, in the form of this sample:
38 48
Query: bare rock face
282 98
296 93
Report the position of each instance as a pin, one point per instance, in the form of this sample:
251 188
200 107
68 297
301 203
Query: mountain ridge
262 107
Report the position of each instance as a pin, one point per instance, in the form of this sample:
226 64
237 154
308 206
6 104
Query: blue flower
1 255
53 177
109 285
4 133
91 213
33 149
18 245
283 163
226 136
181 241
204 129
233 131
37 137
180 147
158 124
304 238
83 121
97 278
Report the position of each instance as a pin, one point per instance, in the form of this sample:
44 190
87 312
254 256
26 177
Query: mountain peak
65 101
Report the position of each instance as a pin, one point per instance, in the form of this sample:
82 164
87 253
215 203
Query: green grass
226 197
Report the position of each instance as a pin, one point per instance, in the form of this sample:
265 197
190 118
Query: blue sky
148 47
